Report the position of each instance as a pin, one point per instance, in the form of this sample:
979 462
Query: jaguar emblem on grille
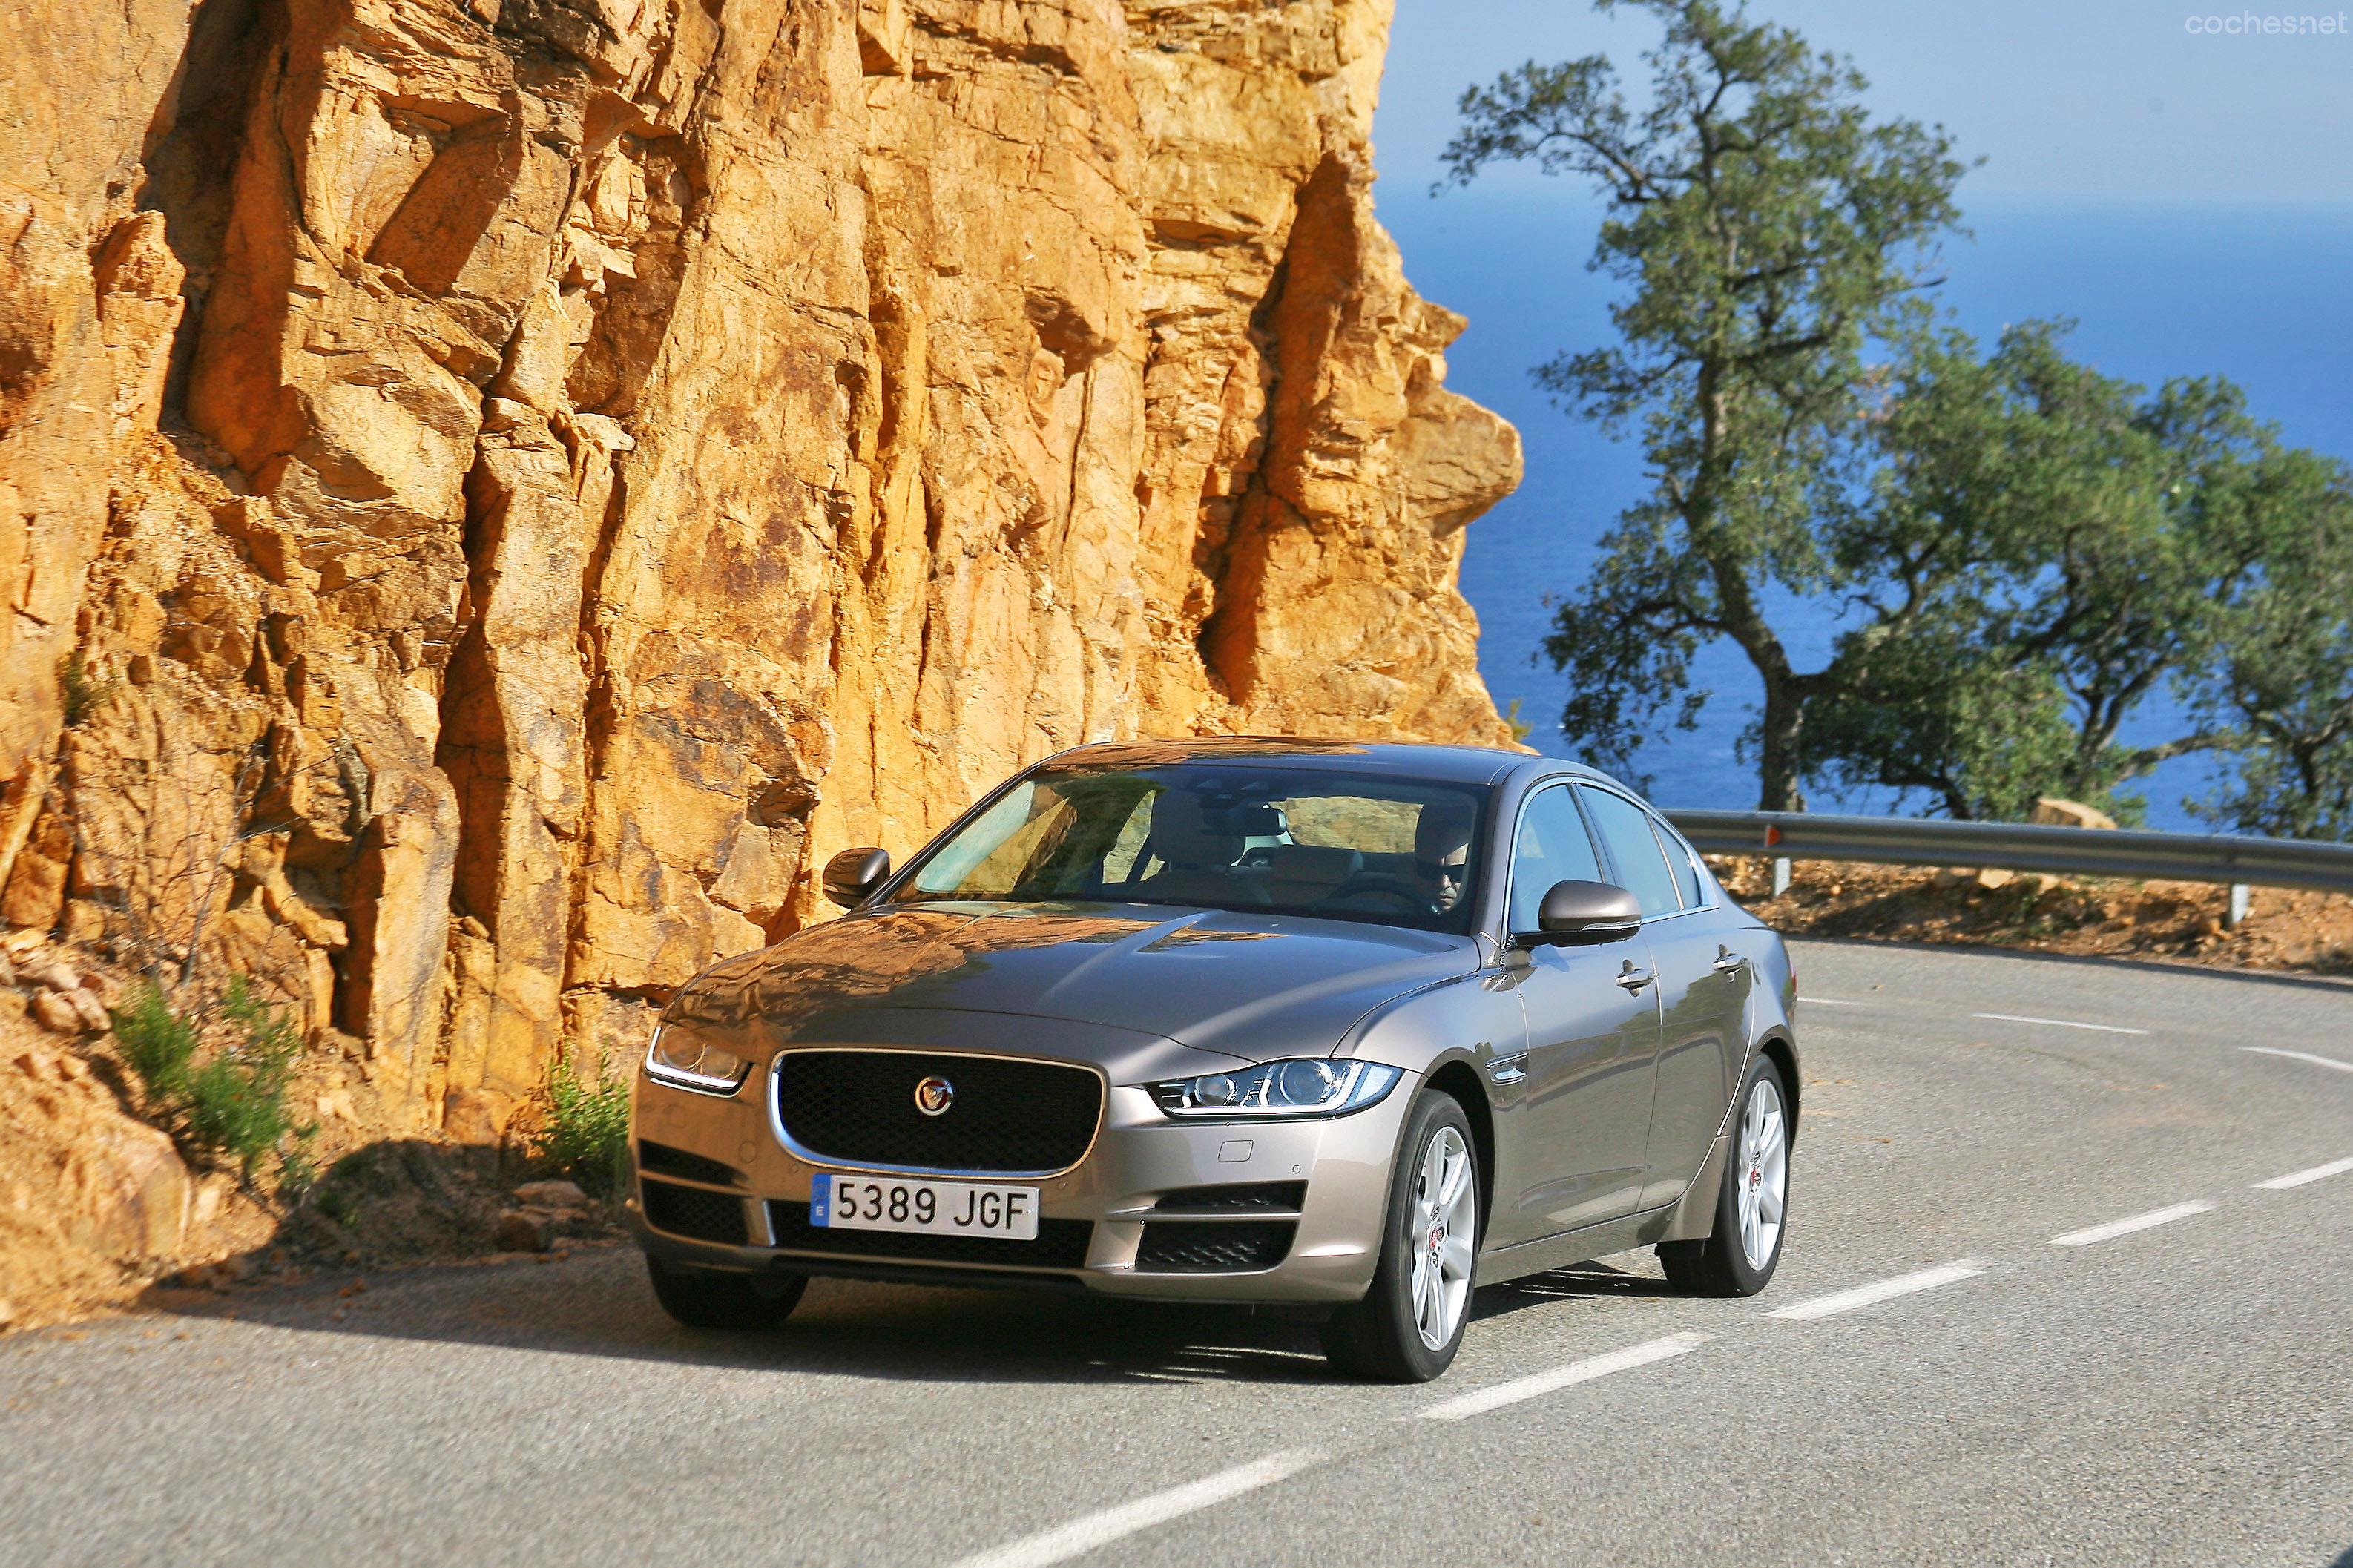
933 1095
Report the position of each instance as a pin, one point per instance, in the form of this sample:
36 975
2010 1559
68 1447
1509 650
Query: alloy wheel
1764 1173
1445 1224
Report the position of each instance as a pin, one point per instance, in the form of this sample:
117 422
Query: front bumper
1140 1156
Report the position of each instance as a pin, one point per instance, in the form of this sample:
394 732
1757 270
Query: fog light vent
691 1212
1213 1247
669 1162
1244 1197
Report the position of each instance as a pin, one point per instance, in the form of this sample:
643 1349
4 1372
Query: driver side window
1635 847
1552 845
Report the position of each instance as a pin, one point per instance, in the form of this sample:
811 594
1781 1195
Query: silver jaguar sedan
1349 1026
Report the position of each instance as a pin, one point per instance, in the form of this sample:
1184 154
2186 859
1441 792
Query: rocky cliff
493 491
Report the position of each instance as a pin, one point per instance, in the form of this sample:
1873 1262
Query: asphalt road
2181 1392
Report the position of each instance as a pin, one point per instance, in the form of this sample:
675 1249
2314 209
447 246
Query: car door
1702 989
1593 1032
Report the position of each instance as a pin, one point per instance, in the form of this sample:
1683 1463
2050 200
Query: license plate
926 1208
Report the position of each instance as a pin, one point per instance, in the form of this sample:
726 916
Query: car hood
1248 987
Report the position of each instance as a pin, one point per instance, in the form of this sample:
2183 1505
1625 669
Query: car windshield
1280 840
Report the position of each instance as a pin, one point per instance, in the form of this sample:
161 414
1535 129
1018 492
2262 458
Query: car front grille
1213 1247
1061 1243
1006 1117
691 1211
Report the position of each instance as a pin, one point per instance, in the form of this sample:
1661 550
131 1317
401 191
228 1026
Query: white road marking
1095 1529
2059 1023
1559 1377
1882 1290
2114 1228
2298 1178
1829 1002
2301 1057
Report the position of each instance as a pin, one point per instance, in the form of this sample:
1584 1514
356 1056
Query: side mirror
852 874
1581 914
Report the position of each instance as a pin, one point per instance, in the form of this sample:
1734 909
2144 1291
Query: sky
2187 199
2068 101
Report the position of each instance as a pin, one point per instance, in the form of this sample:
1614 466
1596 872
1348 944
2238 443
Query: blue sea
2259 295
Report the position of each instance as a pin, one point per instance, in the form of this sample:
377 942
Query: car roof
1390 759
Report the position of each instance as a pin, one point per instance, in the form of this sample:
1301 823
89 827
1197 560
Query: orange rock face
493 493
86 1194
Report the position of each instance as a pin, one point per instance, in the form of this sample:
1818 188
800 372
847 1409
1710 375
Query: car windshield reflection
1248 840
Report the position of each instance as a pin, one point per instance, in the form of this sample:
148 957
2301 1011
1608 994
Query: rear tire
714 1298
1422 1286
1752 1200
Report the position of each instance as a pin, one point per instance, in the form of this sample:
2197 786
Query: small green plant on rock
82 690
158 1042
584 1130
231 1106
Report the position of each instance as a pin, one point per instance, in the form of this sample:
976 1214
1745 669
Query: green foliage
1520 729
81 693
2038 549
1768 230
2284 687
1980 736
159 1043
584 1131
2020 551
231 1105
237 1101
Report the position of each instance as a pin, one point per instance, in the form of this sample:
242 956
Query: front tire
1740 1256
714 1298
1411 1323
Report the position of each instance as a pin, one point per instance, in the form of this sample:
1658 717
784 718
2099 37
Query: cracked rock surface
491 494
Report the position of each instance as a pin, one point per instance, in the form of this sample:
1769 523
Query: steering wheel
1380 886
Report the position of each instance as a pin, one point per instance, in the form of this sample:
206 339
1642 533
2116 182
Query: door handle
1633 979
1728 962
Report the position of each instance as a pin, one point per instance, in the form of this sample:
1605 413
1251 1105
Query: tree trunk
1777 747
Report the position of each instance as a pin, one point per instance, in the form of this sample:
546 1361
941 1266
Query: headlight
679 1057
1311 1087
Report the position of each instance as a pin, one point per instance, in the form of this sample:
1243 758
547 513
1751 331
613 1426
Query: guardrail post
2238 911
1780 876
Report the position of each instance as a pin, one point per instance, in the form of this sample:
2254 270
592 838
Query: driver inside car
1441 852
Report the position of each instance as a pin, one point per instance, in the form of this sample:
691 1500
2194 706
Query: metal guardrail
2222 858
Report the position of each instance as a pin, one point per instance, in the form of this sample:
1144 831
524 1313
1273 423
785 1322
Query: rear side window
1642 864
1680 862
1552 846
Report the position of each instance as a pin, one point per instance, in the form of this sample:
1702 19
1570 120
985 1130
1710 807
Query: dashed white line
1829 1002
1095 1529
2114 1228
1882 1290
2298 1178
2058 1023
1560 1377
2300 1057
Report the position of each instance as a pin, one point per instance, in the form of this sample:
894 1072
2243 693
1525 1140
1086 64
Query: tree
1770 231
2019 551
1977 729
2285 688
2040 548
2037 549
